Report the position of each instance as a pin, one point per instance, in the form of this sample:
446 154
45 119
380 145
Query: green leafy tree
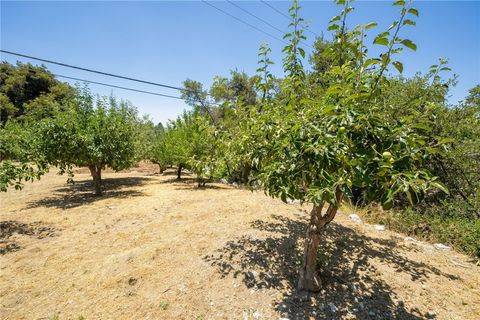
459 166
95 133
317 148
160 154
16 157
190 143
31 92
237 97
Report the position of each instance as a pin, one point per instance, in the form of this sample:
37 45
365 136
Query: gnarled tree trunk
308 277
96 172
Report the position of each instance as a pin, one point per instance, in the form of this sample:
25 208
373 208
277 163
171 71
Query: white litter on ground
355 218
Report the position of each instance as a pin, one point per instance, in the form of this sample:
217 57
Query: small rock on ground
332 307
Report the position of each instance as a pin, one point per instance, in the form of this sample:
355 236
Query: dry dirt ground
156 248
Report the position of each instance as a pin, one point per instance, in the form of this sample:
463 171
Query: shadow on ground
170 172
192 184
181 181
9 228
351 282
82 192
195 187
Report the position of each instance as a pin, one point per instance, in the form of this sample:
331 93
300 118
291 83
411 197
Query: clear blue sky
169 41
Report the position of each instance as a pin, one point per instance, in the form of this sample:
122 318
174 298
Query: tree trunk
245 173
179 172
96 172
160 168
308 277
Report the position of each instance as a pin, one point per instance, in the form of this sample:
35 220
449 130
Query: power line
93 71
286 16
266 22
244 22
253 15
107 74
119 87
129 89
276 10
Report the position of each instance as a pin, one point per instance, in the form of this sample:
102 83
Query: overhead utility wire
276 10
107 74
286 16
126 88
119 87
244 22
266 22
256 17
93 71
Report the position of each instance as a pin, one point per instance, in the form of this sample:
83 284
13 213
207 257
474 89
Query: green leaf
370 25
383 34
302 52
381 41
446 140
327 109
409 197
409 44
371 61
413 11
399 3
393 25
409 22
336 18
333 27
421 127
440 186
397 50
398 65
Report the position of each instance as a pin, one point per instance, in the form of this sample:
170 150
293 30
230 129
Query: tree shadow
9 228
192 184
196 187
175 181
170 172
352 285
82 192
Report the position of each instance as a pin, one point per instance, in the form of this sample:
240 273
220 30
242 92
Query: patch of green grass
434 224
163 305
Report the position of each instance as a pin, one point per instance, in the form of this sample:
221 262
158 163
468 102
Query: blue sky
169 41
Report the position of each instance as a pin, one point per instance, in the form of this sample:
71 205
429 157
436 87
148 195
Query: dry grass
156 248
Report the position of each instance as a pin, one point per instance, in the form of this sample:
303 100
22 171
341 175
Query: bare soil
154 247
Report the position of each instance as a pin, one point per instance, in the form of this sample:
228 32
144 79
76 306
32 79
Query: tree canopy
31 91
